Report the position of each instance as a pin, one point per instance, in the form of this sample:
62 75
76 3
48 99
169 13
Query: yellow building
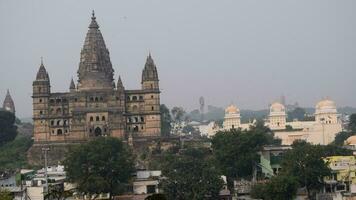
343 176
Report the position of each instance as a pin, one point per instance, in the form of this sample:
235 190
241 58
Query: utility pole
45 151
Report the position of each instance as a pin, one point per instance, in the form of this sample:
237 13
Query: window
103 118
151 96
58 122
152 108
91 119
134 98
141 97
52 122
91 99
41 112
58 111
40 100
97 118
65 122
134 108
96 99
142 119
75 99
136 119
59 132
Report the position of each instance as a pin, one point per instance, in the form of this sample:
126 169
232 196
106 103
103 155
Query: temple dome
232 109
325 106
277 107
351 140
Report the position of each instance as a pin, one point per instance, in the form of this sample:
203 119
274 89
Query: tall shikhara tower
95 106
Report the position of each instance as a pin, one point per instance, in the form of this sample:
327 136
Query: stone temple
96 106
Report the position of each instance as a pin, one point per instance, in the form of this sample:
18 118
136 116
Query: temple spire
95 68
149 72
72 85
120 86
9 104
42 72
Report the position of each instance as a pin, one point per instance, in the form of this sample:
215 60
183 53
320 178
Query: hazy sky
247 52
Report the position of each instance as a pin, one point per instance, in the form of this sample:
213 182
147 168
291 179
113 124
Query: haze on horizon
247 52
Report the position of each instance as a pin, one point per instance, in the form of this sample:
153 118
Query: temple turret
72 86
120 86
41 86
149 74
9 104
95 69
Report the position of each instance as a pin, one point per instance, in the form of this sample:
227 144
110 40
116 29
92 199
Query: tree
103 165
191 175
8 130
177 114
305 163
156 197
166 120
5 195
352 123
235 151
341 137
13 154
57 193
280 187
298 113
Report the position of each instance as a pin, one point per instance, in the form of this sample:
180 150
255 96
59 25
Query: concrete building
96 106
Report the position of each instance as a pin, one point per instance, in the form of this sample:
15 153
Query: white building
321 131
232 119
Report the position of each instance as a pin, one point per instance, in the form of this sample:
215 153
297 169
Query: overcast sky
247 52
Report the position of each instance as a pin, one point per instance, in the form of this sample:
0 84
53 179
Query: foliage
342 136
334 150
5 195
103 165
8 130
13 154
352 123
305 163
166 120
156 197
177 114
235 151
280 187
191 175
57 193
298 114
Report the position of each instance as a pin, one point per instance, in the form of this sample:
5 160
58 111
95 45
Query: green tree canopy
177 114
236 150
352 123
305 163
5 195
281 187
166 120
8 130
298 114
13 154
103 165
191 175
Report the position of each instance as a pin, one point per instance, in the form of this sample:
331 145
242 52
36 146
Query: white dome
277 107
325 106
232 109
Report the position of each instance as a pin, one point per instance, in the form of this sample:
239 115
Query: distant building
321 131
343 178
232 119
8 104
96 106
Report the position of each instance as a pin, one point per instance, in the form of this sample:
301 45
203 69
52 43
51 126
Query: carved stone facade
96 107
